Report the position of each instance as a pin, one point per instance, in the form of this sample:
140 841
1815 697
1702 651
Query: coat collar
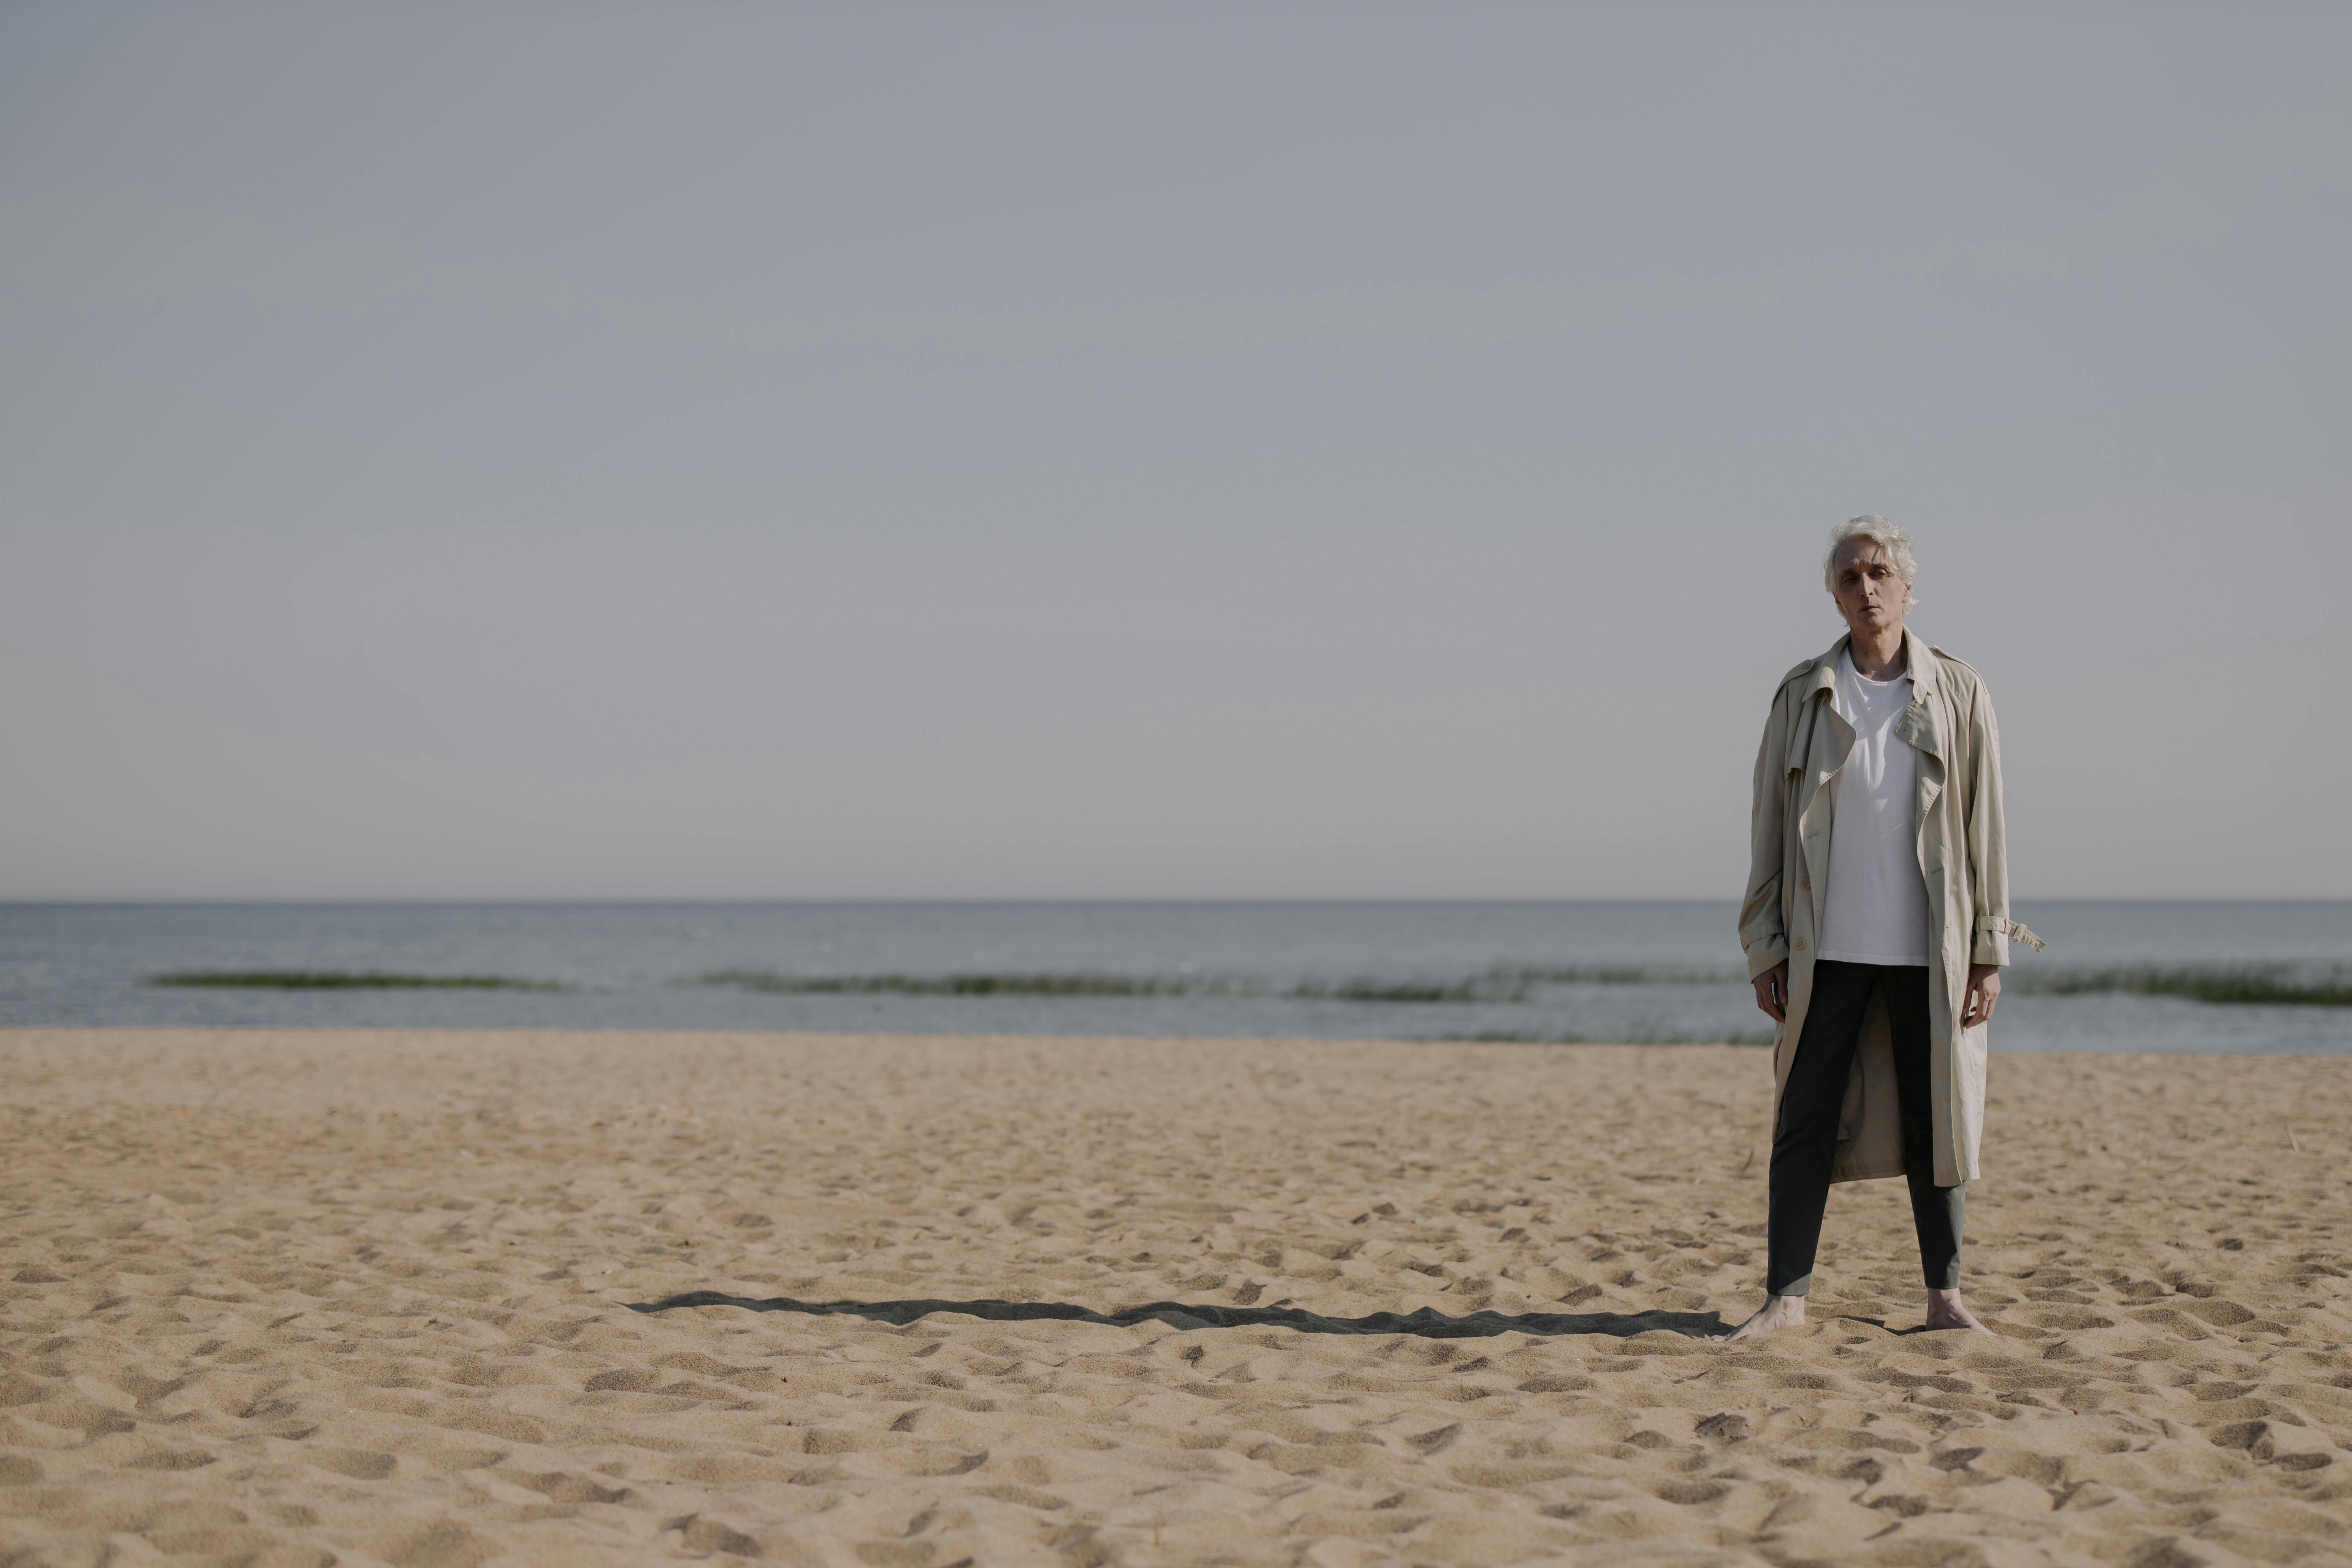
1919 664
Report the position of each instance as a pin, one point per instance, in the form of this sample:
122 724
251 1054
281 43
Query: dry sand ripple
435 1300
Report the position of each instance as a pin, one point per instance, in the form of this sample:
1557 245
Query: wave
1621 975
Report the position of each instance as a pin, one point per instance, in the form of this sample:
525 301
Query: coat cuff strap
1994 933
1766 952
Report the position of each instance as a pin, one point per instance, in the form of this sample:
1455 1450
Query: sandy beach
437 1300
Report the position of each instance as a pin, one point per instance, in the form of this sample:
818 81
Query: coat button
1800 944
1804 881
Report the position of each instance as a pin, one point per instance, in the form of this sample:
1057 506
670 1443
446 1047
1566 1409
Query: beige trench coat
1962 855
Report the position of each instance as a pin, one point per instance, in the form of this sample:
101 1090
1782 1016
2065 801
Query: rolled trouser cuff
1802 1285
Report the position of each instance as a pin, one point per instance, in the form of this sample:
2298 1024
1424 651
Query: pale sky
1269 451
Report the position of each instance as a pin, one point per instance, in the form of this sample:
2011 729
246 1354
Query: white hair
1878 531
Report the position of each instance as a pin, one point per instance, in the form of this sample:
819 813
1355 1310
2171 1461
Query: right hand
1772 992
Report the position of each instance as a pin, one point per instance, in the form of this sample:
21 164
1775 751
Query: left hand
1984 990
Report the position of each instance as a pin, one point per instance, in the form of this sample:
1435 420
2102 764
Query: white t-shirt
1877 902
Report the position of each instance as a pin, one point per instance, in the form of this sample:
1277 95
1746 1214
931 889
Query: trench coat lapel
1818 752
1918 727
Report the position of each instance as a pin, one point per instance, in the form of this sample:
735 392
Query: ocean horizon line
1058 901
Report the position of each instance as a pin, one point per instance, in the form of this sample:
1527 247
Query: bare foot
1779 1312
1945 1311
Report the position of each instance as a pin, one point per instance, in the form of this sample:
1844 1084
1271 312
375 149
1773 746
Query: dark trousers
1805 1142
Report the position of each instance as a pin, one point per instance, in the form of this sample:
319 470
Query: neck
1878 655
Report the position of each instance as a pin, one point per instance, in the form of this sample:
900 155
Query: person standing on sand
1877 924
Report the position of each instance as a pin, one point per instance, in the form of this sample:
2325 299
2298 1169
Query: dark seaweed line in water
2260 985
865 984
345 980
972 984
2264 985
1629 1037
1501 985
1092 985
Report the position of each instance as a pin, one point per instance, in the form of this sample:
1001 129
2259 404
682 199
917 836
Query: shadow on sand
1190 1315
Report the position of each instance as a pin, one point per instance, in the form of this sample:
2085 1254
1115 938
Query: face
1871 593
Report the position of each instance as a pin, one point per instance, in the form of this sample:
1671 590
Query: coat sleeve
1762 930
1987 843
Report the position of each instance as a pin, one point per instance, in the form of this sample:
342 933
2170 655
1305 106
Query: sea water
1634 973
